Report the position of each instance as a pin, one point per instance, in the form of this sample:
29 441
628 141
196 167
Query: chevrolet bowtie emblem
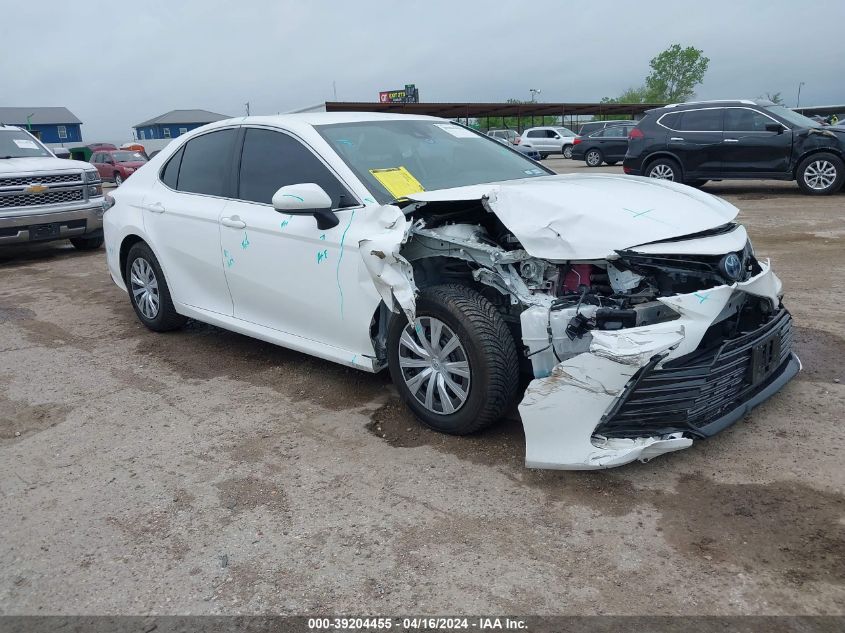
36 188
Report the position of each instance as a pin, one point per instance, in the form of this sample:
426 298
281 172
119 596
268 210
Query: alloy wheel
593 159
662 171
567 151
144 284
820 175
434 365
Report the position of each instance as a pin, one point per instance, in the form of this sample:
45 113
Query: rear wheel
87 243
118 179
148 290
593 158
456 367
664 169
821 174
567 151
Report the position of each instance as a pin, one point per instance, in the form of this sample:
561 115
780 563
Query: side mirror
556 136
774 127
306 198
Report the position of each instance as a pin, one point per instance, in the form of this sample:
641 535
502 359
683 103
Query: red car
117 165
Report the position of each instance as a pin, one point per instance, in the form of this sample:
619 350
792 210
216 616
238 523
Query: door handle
233 222
155 207
676 138
731 140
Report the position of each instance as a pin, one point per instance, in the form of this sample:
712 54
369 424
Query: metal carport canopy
475 110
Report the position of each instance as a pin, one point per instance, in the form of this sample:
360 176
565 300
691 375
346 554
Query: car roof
716 103
4 126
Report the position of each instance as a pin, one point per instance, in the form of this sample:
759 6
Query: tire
820 174
567 151
664 169
484 346
118 179
159 316
87 243
543 156
593 158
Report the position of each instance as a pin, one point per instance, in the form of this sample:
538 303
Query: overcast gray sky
115 64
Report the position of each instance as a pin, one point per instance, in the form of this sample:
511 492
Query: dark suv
714 140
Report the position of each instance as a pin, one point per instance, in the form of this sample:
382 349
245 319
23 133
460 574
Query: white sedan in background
635 308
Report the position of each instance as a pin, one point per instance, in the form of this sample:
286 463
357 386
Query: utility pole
247 108
798 102
334 90
534 92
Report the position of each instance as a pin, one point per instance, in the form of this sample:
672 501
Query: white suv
43 197
550 140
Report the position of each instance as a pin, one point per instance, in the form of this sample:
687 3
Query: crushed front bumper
644 391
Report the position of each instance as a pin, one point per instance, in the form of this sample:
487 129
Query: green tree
774 97
675 73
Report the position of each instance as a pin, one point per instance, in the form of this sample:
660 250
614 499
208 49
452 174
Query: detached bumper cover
645 391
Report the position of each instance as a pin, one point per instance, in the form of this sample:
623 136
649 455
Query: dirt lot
205 472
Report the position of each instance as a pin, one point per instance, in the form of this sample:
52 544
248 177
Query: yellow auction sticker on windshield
398 181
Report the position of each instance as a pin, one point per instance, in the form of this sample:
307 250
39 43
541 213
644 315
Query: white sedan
635 308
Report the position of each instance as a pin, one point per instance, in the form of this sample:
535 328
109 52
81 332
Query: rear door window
170 173
205 163
709 120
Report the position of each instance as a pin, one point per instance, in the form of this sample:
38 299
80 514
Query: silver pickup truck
47 198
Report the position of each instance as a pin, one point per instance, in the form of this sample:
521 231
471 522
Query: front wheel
593 158
87 243
664 169
456 366
821 174
148 290
118 179
567 151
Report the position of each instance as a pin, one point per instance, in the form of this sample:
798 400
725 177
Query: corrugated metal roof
184 116
39 116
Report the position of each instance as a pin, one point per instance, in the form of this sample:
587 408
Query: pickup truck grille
39 199
47 179
19 191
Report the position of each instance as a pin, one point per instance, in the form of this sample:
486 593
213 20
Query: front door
182 217
283 272
749 148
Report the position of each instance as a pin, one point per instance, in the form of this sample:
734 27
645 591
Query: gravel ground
205 472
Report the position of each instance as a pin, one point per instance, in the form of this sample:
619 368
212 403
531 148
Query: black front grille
42 179
37 199
689 392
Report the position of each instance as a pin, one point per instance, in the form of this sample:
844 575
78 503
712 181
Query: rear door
749 148
695 137
182 215
614 142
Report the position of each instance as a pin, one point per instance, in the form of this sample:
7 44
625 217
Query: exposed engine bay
640 308
558 303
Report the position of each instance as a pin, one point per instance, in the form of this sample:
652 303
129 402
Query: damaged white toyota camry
414 244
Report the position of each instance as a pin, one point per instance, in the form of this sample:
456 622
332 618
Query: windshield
18 144
128 157
565 131
397 158
793 117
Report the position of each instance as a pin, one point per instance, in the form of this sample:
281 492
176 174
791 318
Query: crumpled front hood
590 216
38 163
